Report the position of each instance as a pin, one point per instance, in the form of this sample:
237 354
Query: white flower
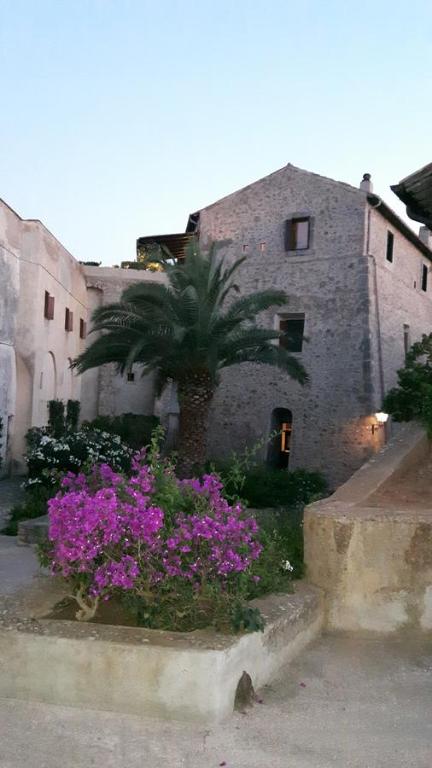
286 565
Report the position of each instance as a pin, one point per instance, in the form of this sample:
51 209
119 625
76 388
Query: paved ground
347 703
18 565
10 493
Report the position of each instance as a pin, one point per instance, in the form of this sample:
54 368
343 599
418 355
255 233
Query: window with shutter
49 306
68 320
297 233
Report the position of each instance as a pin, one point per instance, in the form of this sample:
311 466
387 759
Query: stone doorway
278 454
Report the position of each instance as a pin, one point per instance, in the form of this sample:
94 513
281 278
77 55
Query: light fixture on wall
381 420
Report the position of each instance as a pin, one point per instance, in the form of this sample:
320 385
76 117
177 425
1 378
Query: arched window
280 445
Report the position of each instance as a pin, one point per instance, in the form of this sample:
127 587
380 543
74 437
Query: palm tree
187 331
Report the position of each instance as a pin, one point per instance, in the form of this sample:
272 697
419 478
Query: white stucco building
46 300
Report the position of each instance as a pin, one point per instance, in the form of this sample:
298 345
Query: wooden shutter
68 320
289 233
49 306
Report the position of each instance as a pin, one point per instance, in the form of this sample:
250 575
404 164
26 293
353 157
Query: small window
292 327
407 339
297 234
245 248
130 376
390 243
68 320
424 281
83 328
262 247
49 306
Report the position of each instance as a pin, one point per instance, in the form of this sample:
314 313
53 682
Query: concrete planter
190 676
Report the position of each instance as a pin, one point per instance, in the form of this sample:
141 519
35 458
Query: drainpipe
376 299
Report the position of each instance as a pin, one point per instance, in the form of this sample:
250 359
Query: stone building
358 283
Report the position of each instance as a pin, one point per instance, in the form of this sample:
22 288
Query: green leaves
247 619
412 399
184 326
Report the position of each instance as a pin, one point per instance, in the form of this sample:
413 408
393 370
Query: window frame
424 278
290 245
68 320
390 247
49 304
286 317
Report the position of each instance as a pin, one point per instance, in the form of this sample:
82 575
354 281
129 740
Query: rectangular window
49 306
407 340
262 247
292 327
83 328
131 376
390 243
68 320
424 281
297 233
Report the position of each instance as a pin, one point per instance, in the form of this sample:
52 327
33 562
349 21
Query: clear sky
120 117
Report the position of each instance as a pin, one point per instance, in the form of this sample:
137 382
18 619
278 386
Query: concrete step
32 531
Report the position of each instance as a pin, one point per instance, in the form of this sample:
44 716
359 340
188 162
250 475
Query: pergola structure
415 191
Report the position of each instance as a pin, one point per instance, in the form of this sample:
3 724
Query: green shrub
34 505
72 415
56 418
282 556
134 429
48 456
412 398
263 487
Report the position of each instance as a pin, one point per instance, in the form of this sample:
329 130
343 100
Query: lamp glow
381 417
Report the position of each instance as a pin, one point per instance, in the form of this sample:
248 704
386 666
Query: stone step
32 531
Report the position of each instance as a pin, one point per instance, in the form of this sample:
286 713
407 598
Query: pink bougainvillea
109 532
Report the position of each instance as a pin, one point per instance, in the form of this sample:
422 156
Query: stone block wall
400 311
329 284
356 305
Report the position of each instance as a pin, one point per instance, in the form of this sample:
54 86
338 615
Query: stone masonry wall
329 283
401 302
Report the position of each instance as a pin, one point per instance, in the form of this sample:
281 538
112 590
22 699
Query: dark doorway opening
280 445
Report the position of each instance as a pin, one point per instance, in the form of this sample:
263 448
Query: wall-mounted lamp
381 419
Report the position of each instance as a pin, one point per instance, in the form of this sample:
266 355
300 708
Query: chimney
366 184
425 236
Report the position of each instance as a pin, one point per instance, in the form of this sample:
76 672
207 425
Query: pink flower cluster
107 531
214 541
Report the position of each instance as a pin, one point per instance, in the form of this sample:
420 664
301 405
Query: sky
120 117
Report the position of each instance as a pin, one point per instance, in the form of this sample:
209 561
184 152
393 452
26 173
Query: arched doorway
280 445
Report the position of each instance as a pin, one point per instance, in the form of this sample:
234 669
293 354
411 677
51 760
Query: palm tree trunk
195 393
